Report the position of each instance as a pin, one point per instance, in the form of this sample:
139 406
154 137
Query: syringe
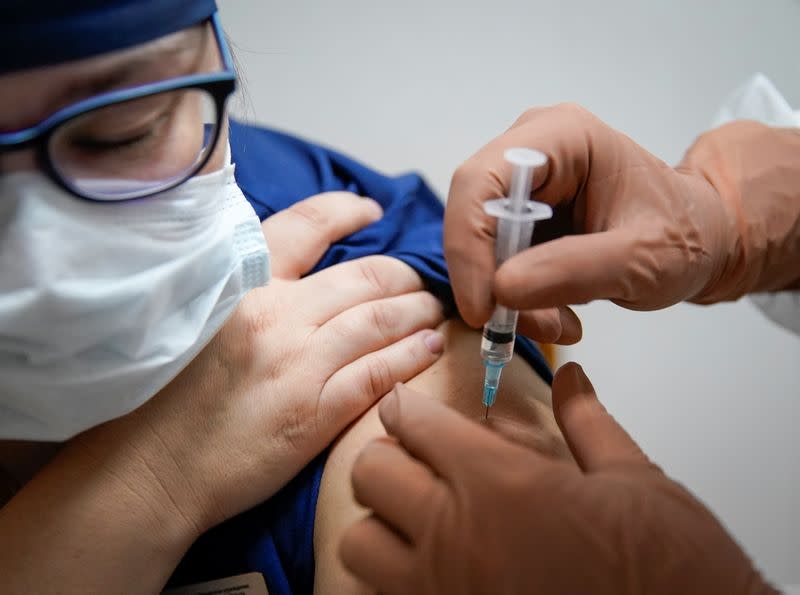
516 216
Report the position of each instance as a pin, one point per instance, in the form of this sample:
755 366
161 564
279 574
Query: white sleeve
759 100
782 307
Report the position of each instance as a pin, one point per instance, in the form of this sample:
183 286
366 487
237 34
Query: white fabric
758 99
101 305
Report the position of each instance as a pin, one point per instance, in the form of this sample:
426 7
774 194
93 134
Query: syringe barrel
498 347
513 236
516 217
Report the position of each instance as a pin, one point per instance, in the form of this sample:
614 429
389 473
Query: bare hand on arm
723 223
458 509
301 359
296 363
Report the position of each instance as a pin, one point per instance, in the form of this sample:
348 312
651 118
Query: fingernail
376 208
575 372
434 341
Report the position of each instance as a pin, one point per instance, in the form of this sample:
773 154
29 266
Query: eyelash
101 145
98 145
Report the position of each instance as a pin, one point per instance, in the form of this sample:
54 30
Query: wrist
754 169
131 464
88 522
730 253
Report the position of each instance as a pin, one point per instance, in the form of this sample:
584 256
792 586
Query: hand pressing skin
628 227
457 509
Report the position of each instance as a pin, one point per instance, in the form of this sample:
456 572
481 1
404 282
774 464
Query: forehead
29 96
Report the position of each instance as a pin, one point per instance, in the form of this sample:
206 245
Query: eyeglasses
136 142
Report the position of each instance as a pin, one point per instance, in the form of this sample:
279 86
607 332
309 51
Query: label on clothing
244 584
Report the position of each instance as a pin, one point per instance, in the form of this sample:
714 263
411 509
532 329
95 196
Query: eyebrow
127 69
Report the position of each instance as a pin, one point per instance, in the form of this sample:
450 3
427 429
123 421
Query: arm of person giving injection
629 228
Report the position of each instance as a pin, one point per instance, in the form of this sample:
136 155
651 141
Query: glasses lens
138 147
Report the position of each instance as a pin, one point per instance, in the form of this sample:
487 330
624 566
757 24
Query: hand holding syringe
516 216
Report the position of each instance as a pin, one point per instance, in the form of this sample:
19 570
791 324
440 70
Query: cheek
217 160
18 161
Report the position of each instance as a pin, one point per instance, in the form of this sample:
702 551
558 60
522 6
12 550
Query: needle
486 417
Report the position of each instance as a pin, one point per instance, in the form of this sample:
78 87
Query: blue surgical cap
39 33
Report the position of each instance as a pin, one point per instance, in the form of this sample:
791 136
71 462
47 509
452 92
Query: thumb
570 270
593 435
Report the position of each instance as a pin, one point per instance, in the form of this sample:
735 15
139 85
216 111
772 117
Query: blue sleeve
276 170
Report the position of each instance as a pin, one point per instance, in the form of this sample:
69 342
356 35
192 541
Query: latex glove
457 509
299 361
724 223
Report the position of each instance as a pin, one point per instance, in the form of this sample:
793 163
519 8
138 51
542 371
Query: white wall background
713 394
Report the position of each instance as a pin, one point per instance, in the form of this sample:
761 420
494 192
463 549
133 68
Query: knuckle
418 355
310 214
529 114
253 320
464 175
549 325
509 281
379 377
347 203
294 430
571 109
382 316
376 271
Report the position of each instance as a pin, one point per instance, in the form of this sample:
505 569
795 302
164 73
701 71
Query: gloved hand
725 222
457 509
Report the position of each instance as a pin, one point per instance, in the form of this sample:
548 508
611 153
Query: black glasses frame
219 85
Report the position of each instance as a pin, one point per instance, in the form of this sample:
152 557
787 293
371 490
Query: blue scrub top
274 171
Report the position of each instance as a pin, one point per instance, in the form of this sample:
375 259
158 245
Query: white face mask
101 305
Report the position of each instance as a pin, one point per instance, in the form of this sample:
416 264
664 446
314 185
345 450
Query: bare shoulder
523 413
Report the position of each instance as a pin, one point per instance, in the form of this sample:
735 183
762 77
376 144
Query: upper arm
19 462
523 413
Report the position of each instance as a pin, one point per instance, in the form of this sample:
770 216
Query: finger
356 282
356 387
551 325
580 148
449 443
378 557
571 270
593 435
564 133
469 236
300 235
397 488
374 325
